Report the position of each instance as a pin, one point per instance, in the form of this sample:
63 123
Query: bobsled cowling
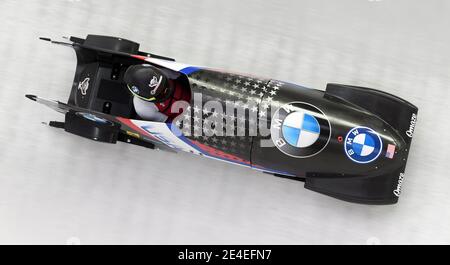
348 142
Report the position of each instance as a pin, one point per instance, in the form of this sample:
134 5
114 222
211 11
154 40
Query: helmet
148 83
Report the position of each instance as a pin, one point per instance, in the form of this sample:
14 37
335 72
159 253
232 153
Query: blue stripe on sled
189 70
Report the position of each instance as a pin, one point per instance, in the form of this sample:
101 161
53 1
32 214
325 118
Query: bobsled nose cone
32 97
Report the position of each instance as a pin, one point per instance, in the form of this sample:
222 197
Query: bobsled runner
348 142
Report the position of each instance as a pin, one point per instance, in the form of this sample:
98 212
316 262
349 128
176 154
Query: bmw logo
135 89
363 145
300 129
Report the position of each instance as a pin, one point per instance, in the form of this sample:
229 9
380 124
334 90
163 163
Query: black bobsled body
331 171
348 142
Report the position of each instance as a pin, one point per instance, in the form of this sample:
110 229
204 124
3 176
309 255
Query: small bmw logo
135 89
363 145
300 129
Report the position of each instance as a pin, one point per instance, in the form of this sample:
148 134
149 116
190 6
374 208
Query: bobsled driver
154 91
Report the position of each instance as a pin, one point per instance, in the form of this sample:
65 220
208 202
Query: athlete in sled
348 142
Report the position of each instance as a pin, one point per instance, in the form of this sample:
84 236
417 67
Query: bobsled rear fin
90 126
397 112
111 43
114 45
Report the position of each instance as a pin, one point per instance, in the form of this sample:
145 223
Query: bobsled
347 142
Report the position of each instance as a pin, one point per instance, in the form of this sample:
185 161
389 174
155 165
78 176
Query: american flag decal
390 151
245 94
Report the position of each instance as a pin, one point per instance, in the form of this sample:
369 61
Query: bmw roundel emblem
300 129
363 145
